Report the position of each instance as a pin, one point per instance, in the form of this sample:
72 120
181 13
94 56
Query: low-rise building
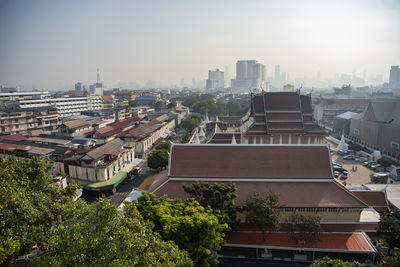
302 177
23 120
144 136
378 126
100 163
325 110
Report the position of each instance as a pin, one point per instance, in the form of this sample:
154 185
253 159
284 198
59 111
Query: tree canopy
192 227
304 228
99 235
219 197
390 231
158 159
326 261
30 203
263 211
354 147
164 145
171 104
385 162
190 124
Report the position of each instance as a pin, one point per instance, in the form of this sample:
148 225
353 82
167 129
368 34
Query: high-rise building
394 79
277 74
215 79
249 74
283 79
79 89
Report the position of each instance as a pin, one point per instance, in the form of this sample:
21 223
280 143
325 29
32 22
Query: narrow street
123 189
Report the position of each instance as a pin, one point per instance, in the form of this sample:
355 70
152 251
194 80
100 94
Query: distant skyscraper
283 79
394 79
249 74
277 74
215 79
79 89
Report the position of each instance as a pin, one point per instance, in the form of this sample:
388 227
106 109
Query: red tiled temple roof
282 101
265 161
291 194
339 242
376 199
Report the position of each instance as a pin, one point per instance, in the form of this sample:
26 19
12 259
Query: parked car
369 163
344 175
339 169
336 174
349 157
375 166
336 164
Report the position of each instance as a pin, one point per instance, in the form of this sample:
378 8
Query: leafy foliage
29 204
304 228
219 197
190 124
326 261
99 235
158 159
390 231
355 147
238 107
263 211
191 226
164 145
392 261
385 162
171 104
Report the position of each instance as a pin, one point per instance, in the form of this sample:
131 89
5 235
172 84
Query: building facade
215 80
394 79
22 120
378 126
249 74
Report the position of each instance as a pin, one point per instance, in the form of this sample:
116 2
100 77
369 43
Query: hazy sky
53 44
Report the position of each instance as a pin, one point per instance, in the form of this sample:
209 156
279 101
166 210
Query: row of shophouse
102 157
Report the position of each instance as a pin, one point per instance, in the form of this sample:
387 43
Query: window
16 120
356 131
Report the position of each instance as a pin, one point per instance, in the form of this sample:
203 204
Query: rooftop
332 242
329 194
251 161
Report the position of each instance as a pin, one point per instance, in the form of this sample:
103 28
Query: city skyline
52 45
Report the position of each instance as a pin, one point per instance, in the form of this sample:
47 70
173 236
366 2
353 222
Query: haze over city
52 44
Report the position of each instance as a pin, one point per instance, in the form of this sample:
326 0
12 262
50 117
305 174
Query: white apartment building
66 106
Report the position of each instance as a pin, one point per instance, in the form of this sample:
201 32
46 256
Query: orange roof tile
339 242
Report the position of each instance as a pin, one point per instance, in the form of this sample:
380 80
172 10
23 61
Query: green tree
392 261
192 227
385 162
397 155
196 117
30 203
164 145
190 101
304 228
171 105
355 147
263 211
206 106
99 235
185 138
326 261
158 159
390 231
219 197
190 124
